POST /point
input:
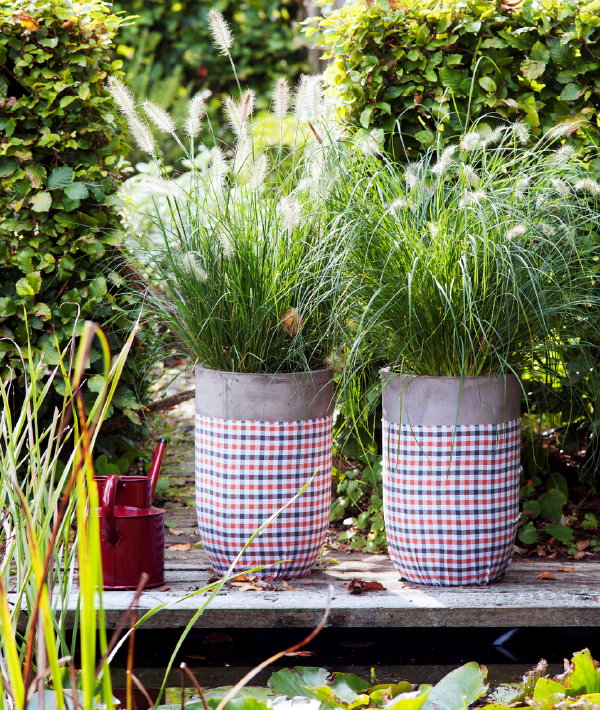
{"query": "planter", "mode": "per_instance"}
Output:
(259, 439)
(132, 537)
(451, 467)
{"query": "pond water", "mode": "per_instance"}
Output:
(222, 657)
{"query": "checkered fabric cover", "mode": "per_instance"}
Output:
(451, 500)
(245, 472)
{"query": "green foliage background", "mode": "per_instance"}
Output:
(435, 66)
(169, 45)
(61, 151)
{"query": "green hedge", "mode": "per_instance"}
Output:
(60, 154)
(436, 65)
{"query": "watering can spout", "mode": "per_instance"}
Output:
(154, 471)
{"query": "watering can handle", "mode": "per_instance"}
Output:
(108, 508)
(159, 452)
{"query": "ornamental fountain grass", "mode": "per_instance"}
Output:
(469, 267)
(247, 285)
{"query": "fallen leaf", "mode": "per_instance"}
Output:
(307, 581)
(358, 586)
(546, 575)
(288, 587)
(291, 322)
(580, 555)
(582, 544)
(27, 21)
(164, 589)
(181, 547)
(567, 569)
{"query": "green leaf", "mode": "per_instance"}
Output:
(365, 117)
(561, 532)
(540, 53)
(7, 307)
(487, 83)
(426, 138)
(298, 681)
(552, 503)
(585, 677)
(96, 383)
(41, 201)
(532, 69)
(97, 287)
(29, 285)
(60, 177)
(531, 508)
(8, 166)
(548, 689)
(570, 92)
(459, 689)
(412, 700)
(76, 191)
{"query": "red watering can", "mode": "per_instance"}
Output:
(132, 533)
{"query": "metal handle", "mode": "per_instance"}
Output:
(108, 508)
(159, 452)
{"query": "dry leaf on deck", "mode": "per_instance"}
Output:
(567, 569)
(358, 586)
(545, 575)
(180, 547)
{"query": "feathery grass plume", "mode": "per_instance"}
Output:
(521, 186)
(471, 141)
(281, 98)
(472, 197)
(233, 115)
(470, 176)
(410, 177)
(548, 229)
(122, 96)
(521, 131)
(226, 243)
(218, 167)
(587, 185)
(258, 172)
(308, 105)
(159, 117)
(564, 154)
(398, 204)
(190, 264)
(243, 151)
(220, 31)
(195, 112)
(561, 186)
(246, 105)
(291, 212)
(433, 228)
(367, 144)
(494, 137)
(142, 135)
(562, 129)
(517, 231)
(445, 160)
(163, 187)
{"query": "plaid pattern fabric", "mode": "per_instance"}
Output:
(451, 500)
(245, 472)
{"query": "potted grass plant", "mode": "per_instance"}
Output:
(246, 284)
(470, 267)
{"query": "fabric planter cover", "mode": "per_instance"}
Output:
(451, 468)
(259, 439)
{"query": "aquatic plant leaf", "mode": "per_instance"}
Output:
(458, 689)
(410, 701)
(295, 682)
(584, 676)
(548, 689)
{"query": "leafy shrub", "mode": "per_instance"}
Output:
(60, 156)
(436, 66)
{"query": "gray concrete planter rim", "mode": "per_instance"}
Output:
(439, 401)
(285, 396)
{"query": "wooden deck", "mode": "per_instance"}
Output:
(521, 599)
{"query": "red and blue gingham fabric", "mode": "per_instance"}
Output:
(451, 500)
(245, 472)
